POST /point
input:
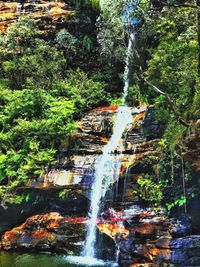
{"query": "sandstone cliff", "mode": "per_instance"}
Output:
(50, 14)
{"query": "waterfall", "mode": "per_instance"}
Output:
(105, 170)
(105, 176)
(127, 67)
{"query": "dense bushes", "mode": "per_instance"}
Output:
(39, 102)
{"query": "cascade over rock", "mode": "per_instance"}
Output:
(75, 170)
(141, 236)
(86, 145)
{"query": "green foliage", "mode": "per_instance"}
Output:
(41, 97)
(87, 43)
(174, 133)
(135, 96)
(177, 202)
(150, 190)
(67, 42)
(110, 25)
(21, 35)
(31, 70)
(85, 93)
(116, 102)
(38, 103)
(64, 193)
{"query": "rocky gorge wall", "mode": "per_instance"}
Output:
(49, 14)
(74, 171)
(77, 165)
(57, 223)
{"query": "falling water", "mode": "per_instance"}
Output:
(127, 67)
(105, 174)
(105, 171)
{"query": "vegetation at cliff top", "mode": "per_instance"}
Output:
(47, 85)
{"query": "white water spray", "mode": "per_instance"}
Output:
(106, 172)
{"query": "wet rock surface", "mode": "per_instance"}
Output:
(141, 236)
(41, 201)
(75, 170)
(86, 146)
(144, 238)
(182, 226)
(47, 232)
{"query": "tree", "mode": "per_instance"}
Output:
(67, 42)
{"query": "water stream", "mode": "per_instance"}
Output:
(105, 175)
(107, 169)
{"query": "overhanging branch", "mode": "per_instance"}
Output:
(169, 100)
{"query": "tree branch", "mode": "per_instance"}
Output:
(169, 100)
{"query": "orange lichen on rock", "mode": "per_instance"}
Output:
(8, 14)
(137, 118)
(112, 108)
(59, 11)
(113, 230)
(44, 219)
(44, 231)
(53, 224)
(141, 265)
(48, 12)
(128, 160)
(145, 229)
(76, 220)
(11, 237)
(127, 164)
(166, 253)
(104, 139)
(43, 234)
(7, 8)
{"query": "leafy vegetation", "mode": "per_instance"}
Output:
(149, 190)
(46, 84)
(40, 99)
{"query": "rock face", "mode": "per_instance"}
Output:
(47, 232)
(50, 14)
(145, 238)
(86, 146)
(74, 172)
(42, 200)
(141, 237)
(140, 234)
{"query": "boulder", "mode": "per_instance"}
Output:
(188, 242)
(146, 230)
(163, 243)
(47, 232)
(183, 226)
(40, 200)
